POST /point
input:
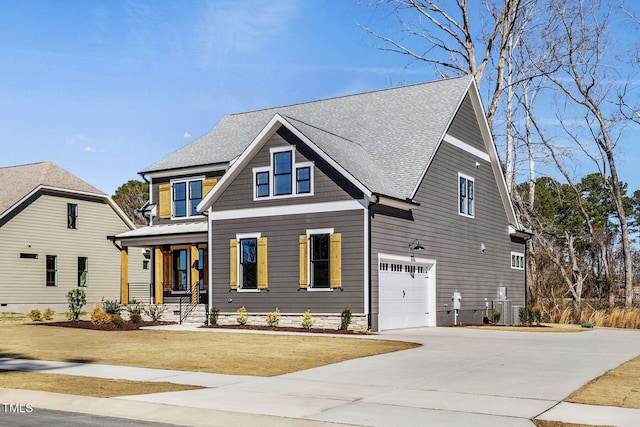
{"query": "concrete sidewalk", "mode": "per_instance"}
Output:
(458, 377)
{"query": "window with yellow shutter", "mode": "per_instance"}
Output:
(320, 260)
(248, 262)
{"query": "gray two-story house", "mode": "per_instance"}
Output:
(391, 203)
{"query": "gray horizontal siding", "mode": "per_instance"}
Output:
(328, 185)
(465, 126)
(282, 234)
(453, 240)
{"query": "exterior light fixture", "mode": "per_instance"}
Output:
(415, 246)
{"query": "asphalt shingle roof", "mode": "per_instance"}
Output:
(385, 139)
(18, 181)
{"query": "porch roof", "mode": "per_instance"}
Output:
(162, 234)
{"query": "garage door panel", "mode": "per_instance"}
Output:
(403, 295)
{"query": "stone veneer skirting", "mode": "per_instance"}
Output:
(322, 321)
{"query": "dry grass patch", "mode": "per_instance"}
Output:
(84, 386)
(215, 352)
(618, 387)
(544, 423)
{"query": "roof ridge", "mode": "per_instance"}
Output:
(467, 76)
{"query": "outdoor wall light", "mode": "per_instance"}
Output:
(483, 247)
(415, 246)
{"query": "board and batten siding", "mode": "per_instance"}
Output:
(282, 233)
(41, 228)
(453, 240)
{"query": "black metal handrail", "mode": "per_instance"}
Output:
(187, 304)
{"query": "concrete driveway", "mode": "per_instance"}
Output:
(458, 377)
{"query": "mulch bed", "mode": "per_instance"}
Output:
(86, 324)
(284, 329)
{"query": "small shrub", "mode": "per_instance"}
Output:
(242, 316)
(117, 321)
(273, 318)
(35, 316)
(134, 307)
(155, 312)
(135, 317)
(100, 317)
(495, 316)
(76, 299)
(536, 316)
(111, 307)
(48, 314)
(307, 320)
(345, 319)
(526, 316)
(214, 313)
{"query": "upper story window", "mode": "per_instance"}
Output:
(283, 177)
(186, 197)
(466, 203)
(72, 215)
(517, 260)
(180, 197)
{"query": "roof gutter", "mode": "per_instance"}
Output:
(379, 199)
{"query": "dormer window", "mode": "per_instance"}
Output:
(283, 177)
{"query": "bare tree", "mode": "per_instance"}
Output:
(578, 34)
(447, 40)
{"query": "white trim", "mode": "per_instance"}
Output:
(431, 276)
(519, 255)
(184, 171)
(310, 208)
(210, 264)
(186, 180)
(320, 231)
(466, 147)
(240, 236)
(473, 201)
(274, 124)
(367, 262)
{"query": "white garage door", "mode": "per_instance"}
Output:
(406, 295)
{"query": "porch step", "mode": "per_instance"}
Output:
(197, 316)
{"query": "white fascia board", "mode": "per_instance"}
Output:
(467, 148)
(267, 132)
(493, 154)
(238, 164)
(326, 158)
(301, 209)
(186, 171)
(64, 191)
(391, 202)
(444, 132)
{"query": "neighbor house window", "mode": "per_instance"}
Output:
(180, 270)
(83, 271)
(466, 204)
(283, 177)
(186, 197)
(517, 261)
(321, 259)
(72, 215)
(52, 270)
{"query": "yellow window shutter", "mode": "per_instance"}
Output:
(207, 185)
(263, 274)
(164, 200)
(304, 261)
(335, 261)
(233, 264)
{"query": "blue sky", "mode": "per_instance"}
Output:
(106, 88)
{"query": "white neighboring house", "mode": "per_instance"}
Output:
(53, 238)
